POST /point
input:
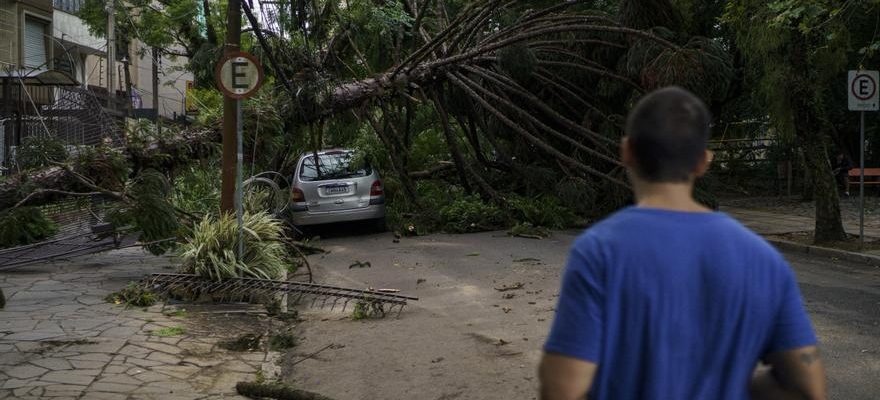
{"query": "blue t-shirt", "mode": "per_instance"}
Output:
(675, 305)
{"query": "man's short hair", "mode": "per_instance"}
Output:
(668, 133)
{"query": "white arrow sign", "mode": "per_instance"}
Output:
(862, 89)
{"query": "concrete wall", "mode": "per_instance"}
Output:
(172, 82)
(70, 29)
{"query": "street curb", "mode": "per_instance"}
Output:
(787, 245)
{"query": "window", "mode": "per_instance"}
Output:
(70, 6)
(35, 51)
(333, 165)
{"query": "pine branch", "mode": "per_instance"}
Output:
(528, 136)
(538, 123)
(515, 88)
(600, 71)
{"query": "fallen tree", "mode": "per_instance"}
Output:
(513, 91)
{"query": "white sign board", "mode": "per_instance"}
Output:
(863, 91)
(239, 75)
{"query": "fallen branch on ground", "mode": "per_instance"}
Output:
(278, 391)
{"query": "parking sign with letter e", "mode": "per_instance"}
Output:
(239, 75)
(863, 91)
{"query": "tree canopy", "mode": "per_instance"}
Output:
(510, 100)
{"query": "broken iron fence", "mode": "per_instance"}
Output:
(313, 294)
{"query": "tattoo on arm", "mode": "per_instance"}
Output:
(808, 357)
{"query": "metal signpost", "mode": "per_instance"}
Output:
(239, 75)
(863, 96)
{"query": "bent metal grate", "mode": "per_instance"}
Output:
(298, 292)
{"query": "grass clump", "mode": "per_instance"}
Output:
(527, 230)
(179, 313)
(211, 250)
(246, 342)
(169, 331)
(366, 310)
(281, 341)
(133, 295)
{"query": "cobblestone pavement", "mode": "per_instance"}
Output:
(59, 339)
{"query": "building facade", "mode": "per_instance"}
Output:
(84, 56)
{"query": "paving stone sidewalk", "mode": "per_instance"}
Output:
(775, 222)
(59, 339)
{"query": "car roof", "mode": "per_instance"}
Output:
(328, 151)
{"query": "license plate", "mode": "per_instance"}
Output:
(337, 189)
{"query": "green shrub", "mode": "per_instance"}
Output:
(24, 225)
(150, 212)
(542, 211)
(104, 165)
(211, 250)
(38, 152)
(197, 189)
(577, 194)
(471, 214)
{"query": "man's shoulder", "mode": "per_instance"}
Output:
(628, 224)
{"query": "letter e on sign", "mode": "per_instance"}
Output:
(239, 75)
(863, 91)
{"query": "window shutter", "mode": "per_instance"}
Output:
(35, 54)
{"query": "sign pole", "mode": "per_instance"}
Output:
(863, 95)
(239, 206)
(862, 180)
(239, 75)
(232, 45)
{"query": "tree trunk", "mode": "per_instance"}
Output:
(809, 128)
(829, 226)
(807, 186)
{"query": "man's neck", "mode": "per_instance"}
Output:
(667, 196)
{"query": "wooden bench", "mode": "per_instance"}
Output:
(872, 177)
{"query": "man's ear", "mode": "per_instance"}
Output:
(626, 155)
(705, 162)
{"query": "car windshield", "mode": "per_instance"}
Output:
(339, 165)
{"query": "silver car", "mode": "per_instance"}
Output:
(336, 190)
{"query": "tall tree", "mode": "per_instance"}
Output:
(801, 50)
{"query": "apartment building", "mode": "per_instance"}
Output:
(53, 79)
(84, 56)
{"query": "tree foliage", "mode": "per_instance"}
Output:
(801, 50)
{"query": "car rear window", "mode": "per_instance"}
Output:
(340, 165)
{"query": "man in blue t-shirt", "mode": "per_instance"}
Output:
(668, 300)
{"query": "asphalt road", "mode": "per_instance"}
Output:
(465, 339)
(843, 300)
